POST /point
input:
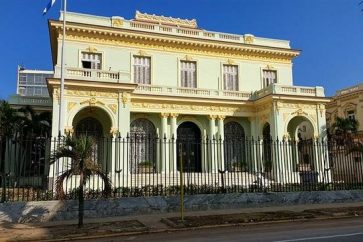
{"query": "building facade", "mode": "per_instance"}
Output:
(31, 89)
(165, 77)
(347, 103)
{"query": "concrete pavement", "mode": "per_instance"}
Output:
(112, 226)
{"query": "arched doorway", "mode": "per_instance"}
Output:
(301, 132)
(142, 146)
(89, 126)
(234, 147)
(95, 122)
(267, 147)
(189, 147)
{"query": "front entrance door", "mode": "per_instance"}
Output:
(189, 147)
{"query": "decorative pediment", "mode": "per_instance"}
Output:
(152, 18)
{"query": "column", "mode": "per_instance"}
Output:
(164, 163)
(173, 136)
(122, 166)
(212, 148)
(221, 142)
(253, 143)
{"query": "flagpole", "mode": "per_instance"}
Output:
(61, 101)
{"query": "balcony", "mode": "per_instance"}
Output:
(192, 92)
(124, 77)
(93, 75)
(289, 90)
(232, 95)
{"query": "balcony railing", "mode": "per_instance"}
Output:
(290, 90)
(113, 76)
(94, 75)
(195, 92)
(176, 30)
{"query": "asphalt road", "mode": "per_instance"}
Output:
(342, 230)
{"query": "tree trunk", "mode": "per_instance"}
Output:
(80, 197)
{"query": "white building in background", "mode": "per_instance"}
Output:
(32, 89)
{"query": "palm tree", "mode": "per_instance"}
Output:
(80, 151)
(343, 129)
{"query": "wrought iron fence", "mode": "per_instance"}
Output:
(149, 166)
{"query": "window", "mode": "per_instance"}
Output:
(142, 70)
(188, 74)
(91, 60)
(22, 91)
(269, 77)
(351, 114)
(230, 77)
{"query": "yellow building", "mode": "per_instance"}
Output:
(347, 103)
(166, 77)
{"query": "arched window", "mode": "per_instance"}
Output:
(142, 146)
(234, 147)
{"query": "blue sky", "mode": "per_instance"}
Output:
(329, 32)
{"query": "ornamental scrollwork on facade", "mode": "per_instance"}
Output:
(113, 131)
(188, 108)
(126, 98)
(174, 115)
(248, 39)
(299, 112)
(68, 130)
(70, 106)
(117, 22)
(113, 108)
(92, 93)
(175, 46)
(164, 115)
(92, 101)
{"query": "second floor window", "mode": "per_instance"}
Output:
(142, 70)
(351, 114)
(230, 77)
(188, 74)
(269, 77)
(91, 60)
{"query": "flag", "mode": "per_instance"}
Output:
(50, 4)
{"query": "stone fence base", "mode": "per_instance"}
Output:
(42, 211)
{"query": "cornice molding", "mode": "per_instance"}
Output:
(140, 39)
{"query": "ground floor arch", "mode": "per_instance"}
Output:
(94, 122)
(143, 142)
(234, 147)
(189, 150)
(301, 132)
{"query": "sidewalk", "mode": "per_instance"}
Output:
(113, 226)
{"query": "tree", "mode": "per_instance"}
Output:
(35, 124)
(80, 152)
(343, 128)
(10, 122)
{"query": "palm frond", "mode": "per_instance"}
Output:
(59, 183)
(106, 192)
